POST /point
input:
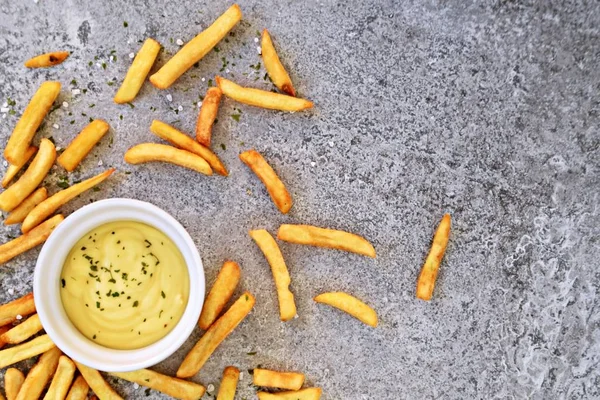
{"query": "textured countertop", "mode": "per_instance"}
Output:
(489, 111)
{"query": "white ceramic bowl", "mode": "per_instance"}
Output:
(46, 285)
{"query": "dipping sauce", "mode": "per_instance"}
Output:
(125, 285)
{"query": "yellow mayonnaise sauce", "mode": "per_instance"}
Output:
(125, 285)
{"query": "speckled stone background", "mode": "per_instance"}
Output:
(489, 111)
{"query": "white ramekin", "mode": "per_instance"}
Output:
(46, 285)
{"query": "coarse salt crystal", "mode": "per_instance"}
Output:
(255, 40)
(227, 71)
(169, 97)
(65, 104)
(55, 126)
(131, 55)
(36, 1)
(111, 58)
(5, 104)
(58, 148)
(330, 144)
(11, 291)
(313, 164)
(203, 79)
(210, 388)
(180, 108)
(5, 163)
(136, 386)
(100, 163)
(296, 316)
(241, 375)
(259, 50)
(75, 92)
(4, 115)
(4, 109)
(98, 65)
(179, 42)
(19, 317)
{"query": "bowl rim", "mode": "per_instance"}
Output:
(47, 294)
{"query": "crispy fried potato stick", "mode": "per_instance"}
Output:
(429, 272)
(269, 178)
(147, 152)
(97, 383)
(19, 142)
(281, 276)
(23, 331)
(13, 170)
(275, 379)
(138, 71)
(3, 330)
(331, 238)
(229, 382)
(47, 60)
(302, 394)
(83, 143)
(39, 376)
(173, 387)
(183, 141)
(52, 203)
(79, 390)
(13, 380)
(262, 98)
(275, 69)
(62, 379)
(196, 48)
(37, 235)
(19, 213)
(33, 176)
(351, 305)
(211, 339)
(219, 294)
(25, 350)
(207, 114)
(22, 306)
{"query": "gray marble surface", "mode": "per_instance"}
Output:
(487, 110)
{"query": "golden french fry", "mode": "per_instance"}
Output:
(23, 306)
(262, 98)
(79, 389)
(33, 176)
(23, 331)
(281, 276)
(269, 178)
(302, 394)
(275, 69)
(429, 272)
(39, 376)
(83, 143)
(3, 330)
(211, 339)
(276, 379)
(173, 387)
(207, 114)
(19, 142)
(54, 202)
(37, 235)
(25, 350)
(322, 237)
(351, 305)
(228, 386)
(97, 383)
(183, 141)
(138, 71)
(147, 152)
(62, 379)
(219, 294)
(47, 59)
(196, 48)
(19, 213)
(13, 380)
(13, 170)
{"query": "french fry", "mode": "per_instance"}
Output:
(62, 379)
(281, 276)
(219, 294)
(19, 213)
(79, 389)
(39, 376)
(147, 152)
(13, 380)
(302, 394)
(33, 176)
(3, 330)
(13, 170)
(23, 306)
(36, 236)
(25, 350)
(330, 238)
(275, 379)
(275, 69)
(19, 142)
(229, 382)
(83, 143)
(351, 305)
(211, 339)
(47, 59)
(207, 114)
(54, 202)
(262, 98)
(183, 141)
(97, 383)
(173, 387)
(23, 331)
(429, 272)
(196, 48)
(269, 178)
(139, 69)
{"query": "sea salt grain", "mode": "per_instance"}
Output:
(19, 317)
(75, 92)
(180, 108)
(4, 109)
(5, 104)
(136, 386)
(100, 163)
(259, 50)
(255, 40)
(203, 79)
(11, 291)
(169, 97)
(330, 144)
(55, 126)
(313, 164)
(5, 163)
(210, 388)
(65, 104)
(131, 55)
(179, 42)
